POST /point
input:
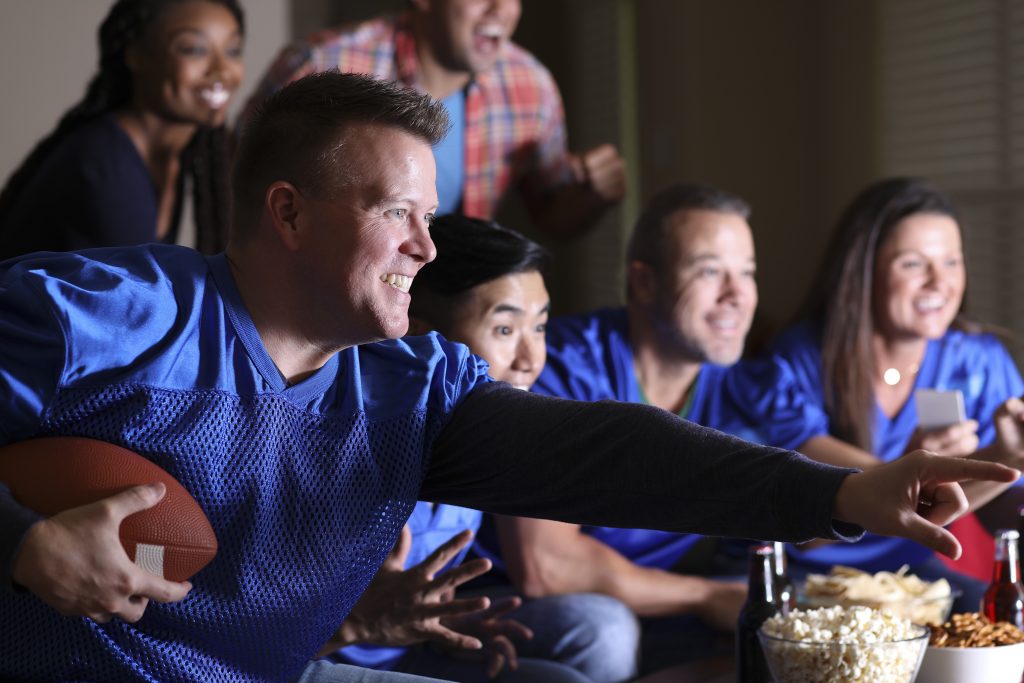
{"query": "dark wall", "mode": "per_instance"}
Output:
(773, 101)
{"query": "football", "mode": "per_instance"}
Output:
(172, 539)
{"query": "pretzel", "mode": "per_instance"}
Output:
(974, 630)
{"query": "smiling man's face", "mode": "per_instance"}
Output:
(368, 236)
(468, 35)
(706, 292)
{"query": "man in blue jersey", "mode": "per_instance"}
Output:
(690, 302)
(270, 381)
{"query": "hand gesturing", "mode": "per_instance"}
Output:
(406, 606)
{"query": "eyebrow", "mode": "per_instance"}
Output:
(509, 308)
(187, 29)
(917, 252)
(709, 257)
(199, 32)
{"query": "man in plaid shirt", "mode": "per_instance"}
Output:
(508, 122)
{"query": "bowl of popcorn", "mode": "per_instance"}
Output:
(904, 594)
(835, 644)
(969, 647)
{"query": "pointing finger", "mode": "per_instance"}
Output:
(941, 470)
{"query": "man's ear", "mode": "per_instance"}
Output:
(419, 326)
(284, 205)
(642, 280)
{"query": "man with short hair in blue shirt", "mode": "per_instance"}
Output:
(690, 302)
(271, 382)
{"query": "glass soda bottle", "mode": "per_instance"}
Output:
(1004, 599)
(784, 588)
(762, 603)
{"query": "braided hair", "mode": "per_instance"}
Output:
(206, 158)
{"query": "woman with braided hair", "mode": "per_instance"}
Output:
(118, 167)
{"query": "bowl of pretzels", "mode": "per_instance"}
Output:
(969, 647)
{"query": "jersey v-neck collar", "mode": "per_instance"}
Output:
(313, 386)
(691, 394)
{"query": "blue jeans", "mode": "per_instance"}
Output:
(595, 634)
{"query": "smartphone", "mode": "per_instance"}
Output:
(937, 409)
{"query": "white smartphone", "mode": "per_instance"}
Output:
(937, 409)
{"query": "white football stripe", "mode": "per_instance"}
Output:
(150, 558)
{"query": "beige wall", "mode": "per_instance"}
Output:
(48, 53)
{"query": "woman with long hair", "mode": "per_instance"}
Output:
(117, 169)
(884, 321)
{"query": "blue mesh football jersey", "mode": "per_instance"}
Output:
(976, 364)
(306, 485)
(590, 359)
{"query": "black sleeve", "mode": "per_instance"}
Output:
(621, 464)
(16, 522)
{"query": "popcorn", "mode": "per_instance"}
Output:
(843, 644)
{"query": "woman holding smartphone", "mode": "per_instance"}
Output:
(884, 320)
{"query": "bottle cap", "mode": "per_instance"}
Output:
(1008, 534)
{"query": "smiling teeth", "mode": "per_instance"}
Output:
(725, 323)
(491, 31)
(932, 303)
(216, 96)
(402, 282)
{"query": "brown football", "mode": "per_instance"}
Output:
(49, 475)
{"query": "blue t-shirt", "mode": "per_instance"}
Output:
(450, 155)
(432, 526)
(976, 364)
(307, 486)
(590, 359)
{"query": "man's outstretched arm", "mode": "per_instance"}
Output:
(619, 464)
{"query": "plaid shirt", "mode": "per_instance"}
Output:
(514, 126)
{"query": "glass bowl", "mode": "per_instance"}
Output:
(799, 661)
